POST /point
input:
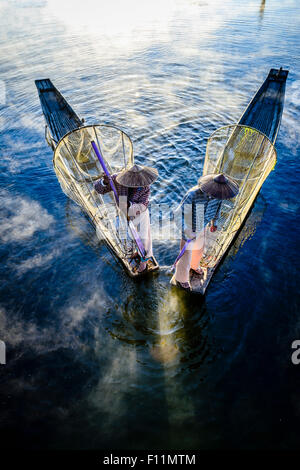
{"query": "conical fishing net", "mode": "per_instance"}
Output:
(248, 156)
(77, 168)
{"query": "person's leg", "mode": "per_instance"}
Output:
(197, 252)
(142, 266)
(148, 236)
(143, 220)
(182, 273)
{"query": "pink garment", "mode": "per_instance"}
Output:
(143, 227)
(190, 258)
(194, 253)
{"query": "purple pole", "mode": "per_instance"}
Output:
(100, 158)
(112, 185)
(138, 241)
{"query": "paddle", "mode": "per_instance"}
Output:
(135, 235)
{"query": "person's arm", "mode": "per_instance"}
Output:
(184, 214)
(180, 207)
(213, 226)
(102, 186)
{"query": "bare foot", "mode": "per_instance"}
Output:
(198, 271)
(184, 285)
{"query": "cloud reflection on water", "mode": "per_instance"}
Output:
(21, 217)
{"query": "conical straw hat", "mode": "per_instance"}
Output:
(137, 176)
(219, 186)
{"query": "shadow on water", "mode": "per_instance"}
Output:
(159, 336)
(168, 330)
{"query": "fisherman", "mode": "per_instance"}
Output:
(209, 193)
(133, 186)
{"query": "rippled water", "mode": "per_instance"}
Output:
(94, 359)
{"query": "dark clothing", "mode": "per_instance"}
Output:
(191, 203)
(134, 195)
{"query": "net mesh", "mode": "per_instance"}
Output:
(248, 156)
(77, 168)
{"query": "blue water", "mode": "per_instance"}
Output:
(94, 359)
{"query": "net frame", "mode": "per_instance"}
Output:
(262, 158)
(77, 182)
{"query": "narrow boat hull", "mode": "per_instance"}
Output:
(59, 116)
(264, 111)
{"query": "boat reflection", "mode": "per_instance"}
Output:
(262, 9)
(161, 322)
(169, 338)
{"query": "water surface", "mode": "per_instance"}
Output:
(94, 359)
